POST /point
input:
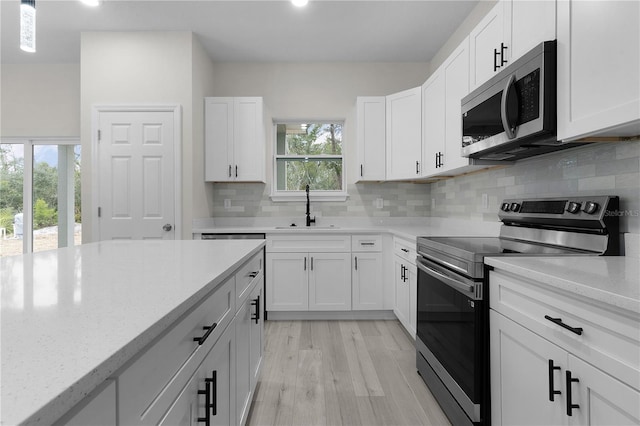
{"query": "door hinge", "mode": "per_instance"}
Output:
(99, 211)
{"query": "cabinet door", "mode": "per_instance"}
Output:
(412, 281)
(456, 76)
(598, 68)
(601, 399)
(371, 136)
(249, 140)
(287, 287)
(367, 284)
(433, 122)
(256, 343)
(220, 365)
(401, 307)
(218, 137)
(189, 406)
(404, 134)
(330, 282)
(485, 40)
(528, 23)
(243, 351)
(520, 381)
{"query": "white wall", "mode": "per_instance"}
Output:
(135, 68)
(40, 100)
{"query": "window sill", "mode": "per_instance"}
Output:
(315, 197)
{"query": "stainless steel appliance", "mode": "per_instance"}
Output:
(513, 115)
(453, 313)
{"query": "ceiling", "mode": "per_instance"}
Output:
(249, 31)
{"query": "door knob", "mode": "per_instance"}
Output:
(167, 227)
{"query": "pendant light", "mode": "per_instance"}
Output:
(28, 25)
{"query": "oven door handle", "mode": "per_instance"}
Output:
(455, 284)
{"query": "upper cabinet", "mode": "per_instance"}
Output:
(404, 134)
(508, 31)
(234, 139)
(371, 131)
(598, 69)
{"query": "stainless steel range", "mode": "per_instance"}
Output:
(452, 341)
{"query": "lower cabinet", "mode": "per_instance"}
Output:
(558, 360)
(367, 281)
(207, 397)
(308, 281)
(406, 287)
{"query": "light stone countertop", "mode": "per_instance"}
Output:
(71, 317)
(609, 280)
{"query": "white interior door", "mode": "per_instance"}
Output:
(136, 173)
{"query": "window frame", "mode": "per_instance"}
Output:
(27, 183)
(315, 195)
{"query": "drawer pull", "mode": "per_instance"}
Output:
(558, 321)
(552, 391)
(214, 393)
(256, 302)
(253, 274)
(405, 250)
(367, 244)
(570, 404)
(209, 329)
(207, 395)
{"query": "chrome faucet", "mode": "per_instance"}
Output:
(309, 219)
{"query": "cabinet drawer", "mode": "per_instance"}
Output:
(609, 339)
(306, 243)
(405, 249)
(147, 387)
(247, 276)
(363, 243)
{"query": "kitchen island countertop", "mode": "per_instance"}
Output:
(607, 280)
(71, 317)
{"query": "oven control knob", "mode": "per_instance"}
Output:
(515, 207)
(590, 207)
(573, 207)
(505, 207)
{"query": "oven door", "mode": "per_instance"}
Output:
(450, 329)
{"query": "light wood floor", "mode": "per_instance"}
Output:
(341, 373)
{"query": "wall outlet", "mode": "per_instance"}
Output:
(485, 201)
(227, 203)
(379, 203)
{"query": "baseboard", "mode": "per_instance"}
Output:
(330, 315)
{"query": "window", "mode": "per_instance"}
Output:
(309, 154)
(39, 195)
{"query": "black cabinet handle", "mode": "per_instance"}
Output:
(417, 167)
(253, 274)
(570, 404)
(305, 263)
(229, 170)
(440, 163)
(552, 391)
(209, 329)
(361, 170)
(256, 302)
(312, 263)
(207, 394)
(213, 381)
(356, 261)
(558, 321)
(502, 49)
(236, 171)
(363, 243)
(403, 273)
(495, 60)
(405, 250)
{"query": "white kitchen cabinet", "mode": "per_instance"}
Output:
(210, 392)
(248, 341)
(441, 118)
(404, 134)
(508, 31)
(371, 138)
(558, 359)
(287, 285)
(367, 278)
(234, 139)
(598, 69)
(406, 285)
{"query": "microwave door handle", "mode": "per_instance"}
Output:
(509, 107)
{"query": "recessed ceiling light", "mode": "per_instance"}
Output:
(299, 3)
(28, 25)
(91, 2)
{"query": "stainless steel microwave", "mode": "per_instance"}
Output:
(513, 115)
